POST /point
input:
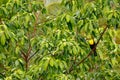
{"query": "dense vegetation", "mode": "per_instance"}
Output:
(49, 42)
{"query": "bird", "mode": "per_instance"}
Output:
(92, 46)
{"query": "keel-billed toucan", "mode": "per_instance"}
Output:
(92, 45)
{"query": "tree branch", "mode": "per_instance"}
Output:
(29, 51)
(23, 54)
(33, 54)
(71, 68)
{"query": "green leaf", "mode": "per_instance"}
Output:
(33, 41)
(86, 66)
(67, 18)
(8, 78)
(114, 61)
(80, 23)
(62, 46)
(3, 39)
(1, 32)
(16, 63)
(22, 41)
(110, 16)
(2, 56)
(3, 12)
(86, 27)
(44, 11)
(61, 65)
(3, 2)
(46, 64)
(17, 49)
(56, 63)
(74, 50)
(51, 62)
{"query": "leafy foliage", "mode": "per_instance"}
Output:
(50, 42)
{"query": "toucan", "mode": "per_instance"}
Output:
(92, 45)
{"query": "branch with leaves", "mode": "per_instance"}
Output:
(71, 68)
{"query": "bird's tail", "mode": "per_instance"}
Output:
(95, 53)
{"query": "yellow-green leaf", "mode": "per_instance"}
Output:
(74, 50)
(51, 62)
(46, 64)
(3, 39)
(17, 49)
(114, 61)
(67, 18)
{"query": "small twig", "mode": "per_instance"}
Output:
(71, 68)
(29, 51)
(23, 54)
(27, 61)
(36, 23)
(33, 54)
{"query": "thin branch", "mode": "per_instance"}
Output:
(36, 23)
(27, 56)
(73, 64)
(23, 54)
(29, 47)
(33, 54)
(29, 51)
(71, 68)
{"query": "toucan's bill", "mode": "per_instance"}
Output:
(92, 45)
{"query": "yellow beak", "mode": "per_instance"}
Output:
(91, 41)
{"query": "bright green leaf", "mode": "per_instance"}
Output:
(45, 65)
(51, 62)
(67, 18)
(3, 39)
